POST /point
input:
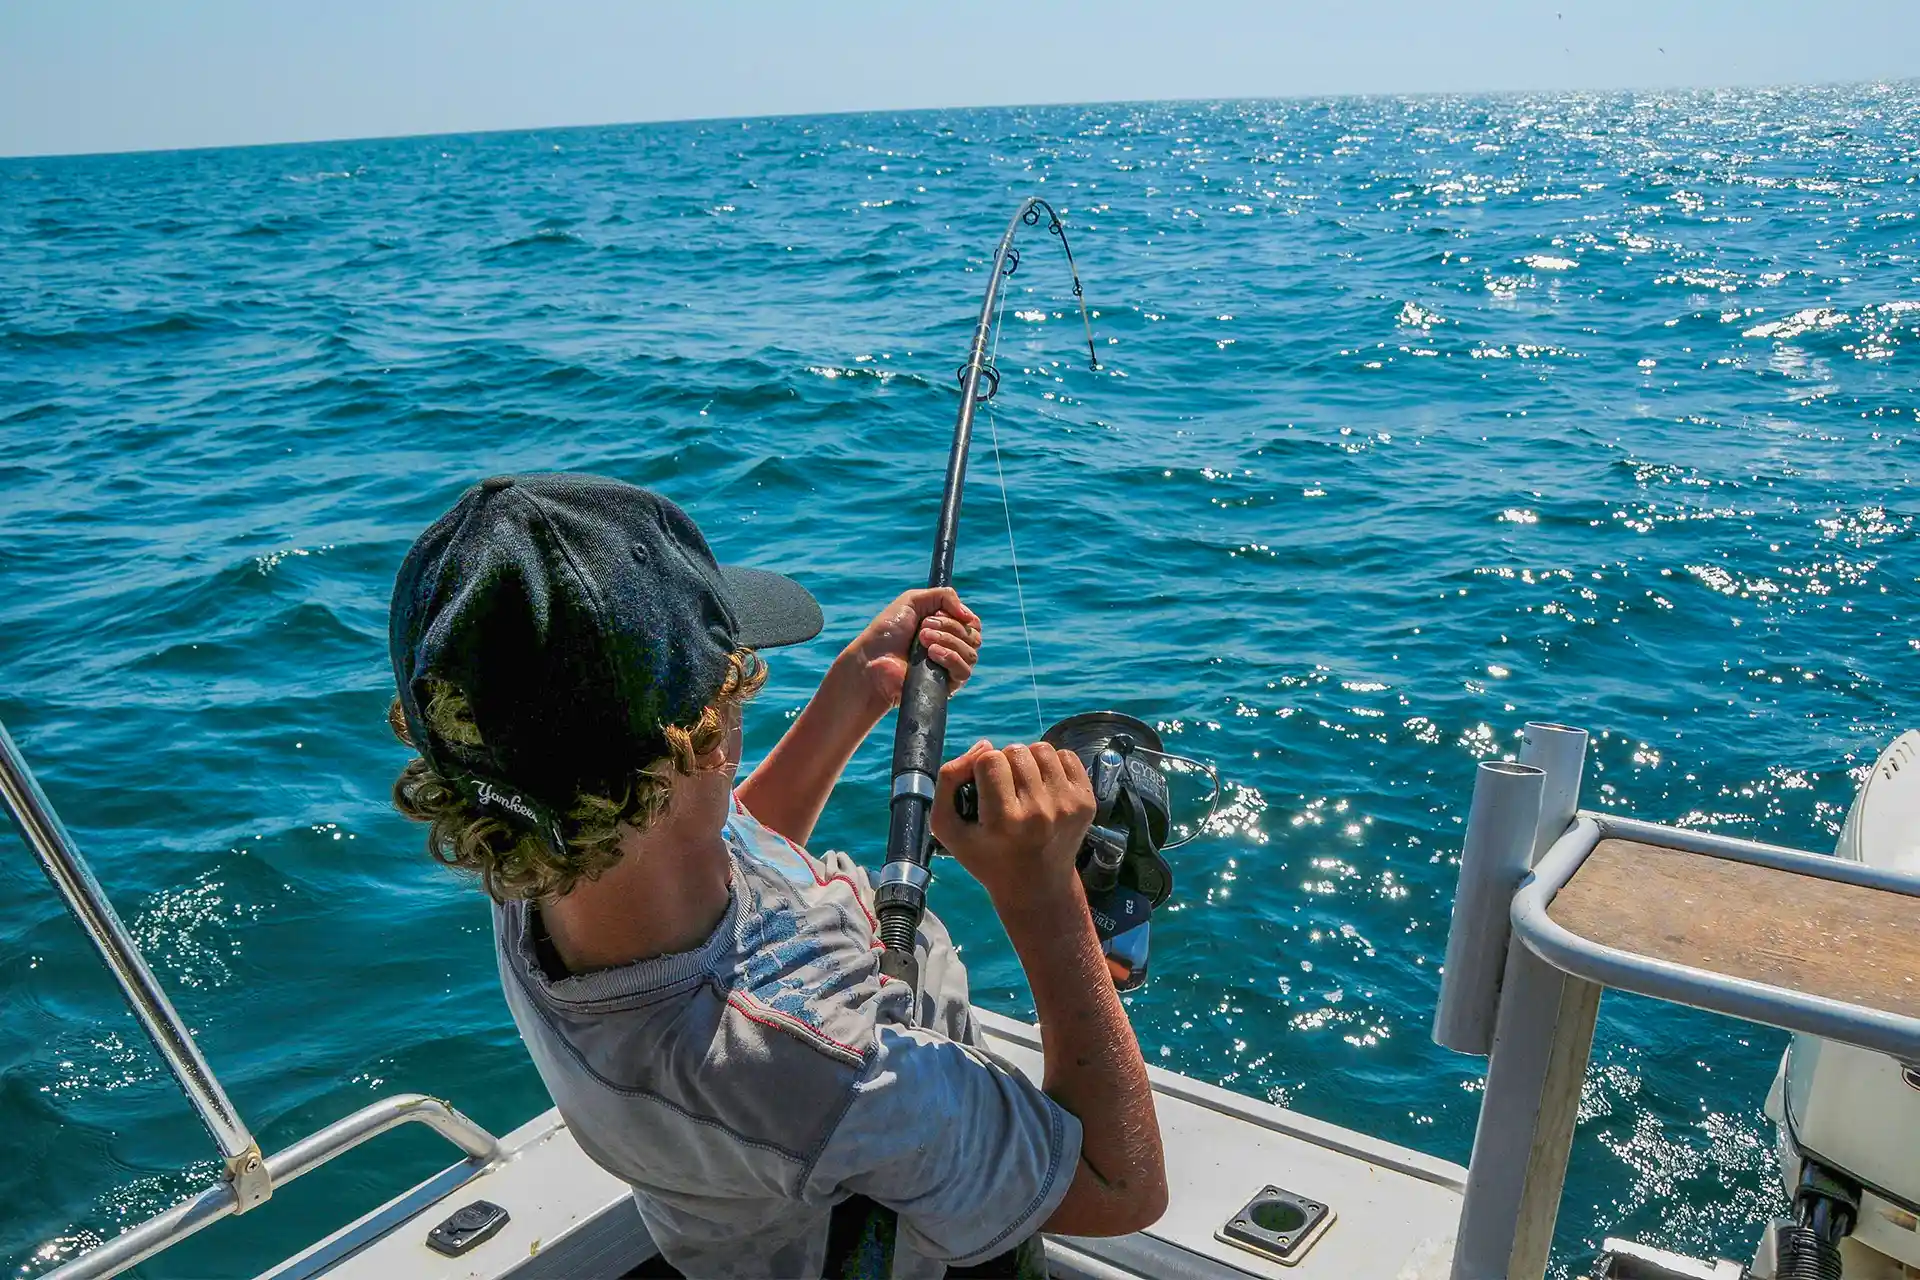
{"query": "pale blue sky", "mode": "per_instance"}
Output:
(115, 75)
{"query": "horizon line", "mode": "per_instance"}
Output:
(1877, 81)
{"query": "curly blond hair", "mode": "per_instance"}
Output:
(514, 863)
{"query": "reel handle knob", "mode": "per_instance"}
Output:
(966, 801)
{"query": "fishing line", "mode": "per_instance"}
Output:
(1006, 507)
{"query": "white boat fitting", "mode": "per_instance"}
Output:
(1554, 904)
(1850, 1109)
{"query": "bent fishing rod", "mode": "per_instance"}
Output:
(900, 894)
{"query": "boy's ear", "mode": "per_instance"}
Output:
(397, 721)
(716, 758)
(727, 750)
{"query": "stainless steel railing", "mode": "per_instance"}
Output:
(250, 1179)
(47, 836)
(136, 1245)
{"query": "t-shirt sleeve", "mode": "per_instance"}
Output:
(971, 1155)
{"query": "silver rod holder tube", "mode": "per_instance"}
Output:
(1494, 857)
(1520, 1148)
(134, 1246)
(1560, 751)
(1543, 1036)
(44, 833)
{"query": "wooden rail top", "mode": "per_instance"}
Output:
(1819, 937)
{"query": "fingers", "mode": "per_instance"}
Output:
(929, 600)
(952, 644)
(1078, 786)
(1025, 770)
(958, 770)
(1035, 805)
(947, 630)
(944, 628)
(1047, 760)
(994, 772)
(954, 772)
(962, 768)
(958, 669)
(1075, 773)
(940, 629)
(1019, 786)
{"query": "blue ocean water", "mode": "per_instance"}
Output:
(1418, 418)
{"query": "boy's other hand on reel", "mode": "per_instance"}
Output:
(1036, 804)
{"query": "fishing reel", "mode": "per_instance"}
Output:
(1121, 862)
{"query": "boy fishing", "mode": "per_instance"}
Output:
(701, 995)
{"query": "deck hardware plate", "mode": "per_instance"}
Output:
(468, 1226)
(1277, 1224)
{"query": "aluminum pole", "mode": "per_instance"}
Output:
(1494, 856)
(1560, 751)
(1542, 1040)
(44, 833)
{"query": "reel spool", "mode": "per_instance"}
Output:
(1120, 864)
(1132, 798)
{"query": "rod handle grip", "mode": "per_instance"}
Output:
(921, 732)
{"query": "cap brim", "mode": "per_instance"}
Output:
(771, 609)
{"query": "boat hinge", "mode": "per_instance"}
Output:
(252, 1183)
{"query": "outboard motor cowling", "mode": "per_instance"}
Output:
(1850, 1117)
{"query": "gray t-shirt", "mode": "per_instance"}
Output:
(746, 1087)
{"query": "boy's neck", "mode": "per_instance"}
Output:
(666, 894)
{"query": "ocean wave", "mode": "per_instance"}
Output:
(546, 239)
(132, 331)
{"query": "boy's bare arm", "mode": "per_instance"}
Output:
(789, 788)
(1035, 806)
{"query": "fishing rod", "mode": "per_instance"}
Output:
(1121, 863)
(900, 894)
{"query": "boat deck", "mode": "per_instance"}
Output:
(1394, 1209)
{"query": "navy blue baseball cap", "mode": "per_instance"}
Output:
(579, 616)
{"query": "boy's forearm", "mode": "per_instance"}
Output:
(788, 790)
(1093, 1064)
